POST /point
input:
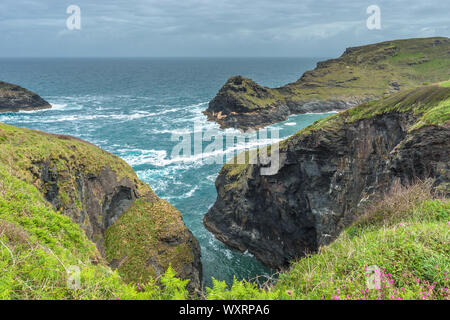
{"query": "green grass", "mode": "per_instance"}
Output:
(365, 72)
(406, 235)
(134, 240)
(38, 247)
(429, 104)
(445, 84)
(23, 153)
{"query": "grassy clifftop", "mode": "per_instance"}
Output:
(361, 74)
(71, 203)
(45, 255)
(327, 173)
(376, 70)
(430, 104)
(405, 236)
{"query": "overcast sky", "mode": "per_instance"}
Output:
(203, 28)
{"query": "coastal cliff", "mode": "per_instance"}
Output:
(14, 98)
(134, 231)
(361, 74)
(329, 170)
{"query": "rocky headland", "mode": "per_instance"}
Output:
(134, 231)
(329, 171)
(361, 74)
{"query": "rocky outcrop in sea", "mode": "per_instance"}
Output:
(14, 98)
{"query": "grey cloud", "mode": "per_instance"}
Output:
(210, 27)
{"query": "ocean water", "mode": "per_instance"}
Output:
(133, 107)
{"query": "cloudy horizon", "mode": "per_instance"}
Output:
(210, 28)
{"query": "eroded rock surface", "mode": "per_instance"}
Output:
(327, 172)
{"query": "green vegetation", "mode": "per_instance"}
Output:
(137, 243)
(406, 235)
(432, 102)
(22, 149)
(26, 152)
(361, 71)
(39, 244)
(38, 247)
(429, 104)
(446, 84)
(366, 72)
(249, 95)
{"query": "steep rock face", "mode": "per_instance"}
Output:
(243, 104)
(14, 98)
(98, 190)
(359, 75)
(327, 171)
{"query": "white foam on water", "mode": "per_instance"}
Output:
(58, 106)
(228, 254)
(161, 158)
(141, 157)
(186, 195)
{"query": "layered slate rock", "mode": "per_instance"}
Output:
(14, 98)
(134, 230)
(329, 171)
(361, 74)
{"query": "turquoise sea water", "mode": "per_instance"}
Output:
(132, 107)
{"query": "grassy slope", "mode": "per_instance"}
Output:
(24, 214)
(431, 104)
(362, 72)
(39, 245)
(22, 149)
(137, 237)
(406, 235)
